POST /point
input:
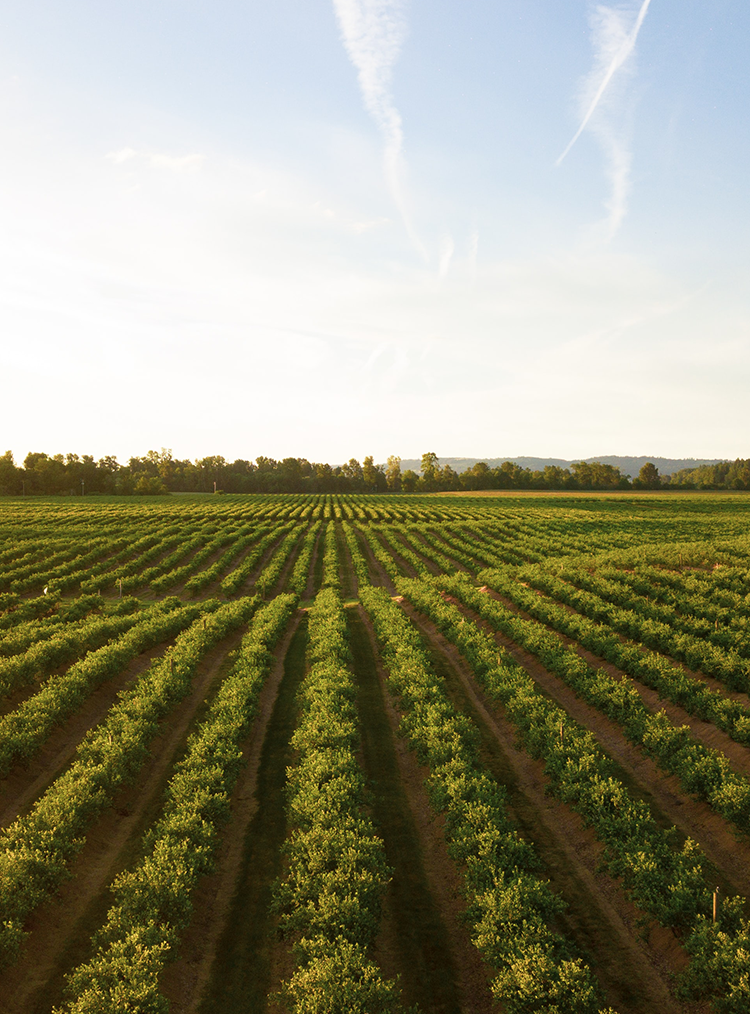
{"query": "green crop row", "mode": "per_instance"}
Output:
(510, 908)
(36, 848)
(66, 644)
(384, 558)
(204, 577)
(655, 671)
(236, 578)
(301, 570)
(725, 665)
(24, 635)
(727, 626)
(146, 549)
(272, 570)
(177, 574)
(329, 899)
(24, 730)
(358, 561)
(185, 546)
(330, 558)
(702, 771)
(664, 881)
(153, 901)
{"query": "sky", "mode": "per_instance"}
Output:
(333, 228)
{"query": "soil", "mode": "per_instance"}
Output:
(185, 980)
(444, 881)
(377, 571)
(634, 971)
(61, 928)
(725, 846)
(26, 782)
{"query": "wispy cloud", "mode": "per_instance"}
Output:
(373, 32)
(615, 32)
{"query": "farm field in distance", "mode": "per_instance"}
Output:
(320, 753)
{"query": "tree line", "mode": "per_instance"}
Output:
(158, 472)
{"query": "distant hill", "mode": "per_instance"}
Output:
(628, 466)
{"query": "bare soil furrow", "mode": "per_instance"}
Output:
(467, 969)
(185, 980)
(61, 928)
(634, 970)
(25, 783)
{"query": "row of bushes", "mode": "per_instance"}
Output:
(724, 664)
(177, 574)
(124, 565)
(691, 609)
(24, 730)
(153, 900)
(205, 577)
(236, 578)
(24, 633)
(272, 570)
(708, 595)
(331, 577)
(67, 644)
(384, 558)
(184, 547)
(510, 908)
(648, 667)
(664, 881)
(358, 561)
(36, 848)
(329, 899)
(702, 771)
(47, 554)
(301, 569)
(15, 610)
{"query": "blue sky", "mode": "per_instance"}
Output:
(332, 228)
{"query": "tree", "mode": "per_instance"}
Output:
(448, 478)
(393, 473)
(10, 476)
(352, 471)
(430, 469)
(370, 474)
(648, 477)
(409, 481)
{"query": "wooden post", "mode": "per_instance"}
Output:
(716, 903)
(171, 664)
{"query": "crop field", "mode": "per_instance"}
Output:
(349, 753)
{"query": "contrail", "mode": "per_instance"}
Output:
(622, 54)
(373, 32)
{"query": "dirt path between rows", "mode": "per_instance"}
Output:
(710, 681)
(213, 588)
(704, 732)
(185, 980)
(25, 783)
(444, 881)
(377, 570)
(248, 585)
(634, 974)
(286, 571)
(61, 928)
